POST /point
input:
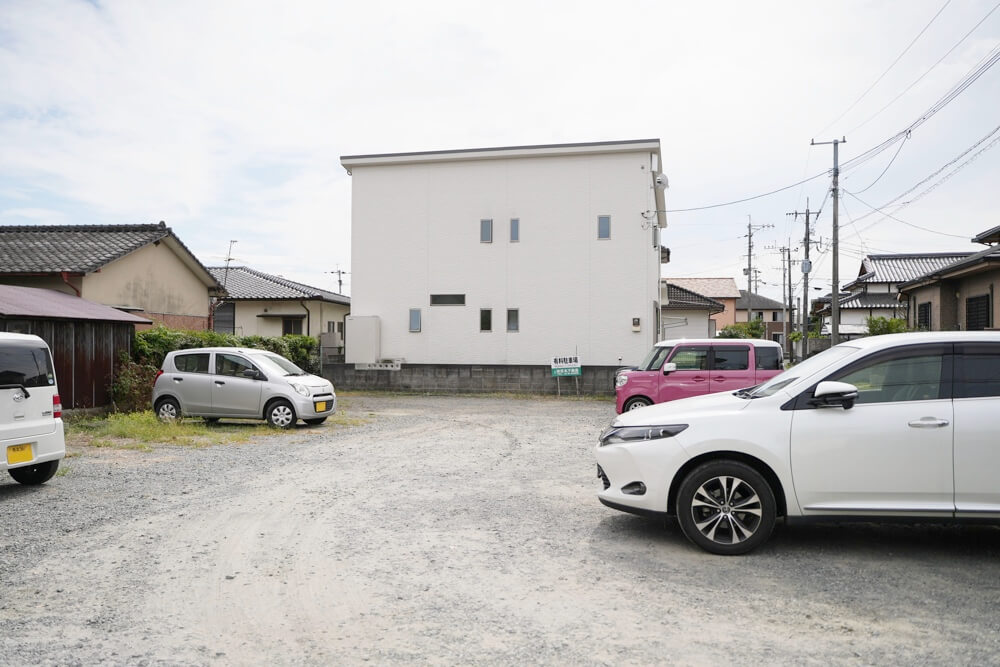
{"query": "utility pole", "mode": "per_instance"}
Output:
(340, 280)
(835, 301)
(751, 228)
(229, 258)
(806, 268)
(788, 305)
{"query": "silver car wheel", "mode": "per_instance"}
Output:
(281, 415)
(168, 411)
(726, 510)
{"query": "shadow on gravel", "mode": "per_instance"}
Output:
(849, 539)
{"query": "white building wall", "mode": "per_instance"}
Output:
(684, 324)
(415, 232)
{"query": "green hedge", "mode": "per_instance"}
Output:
(152, 345)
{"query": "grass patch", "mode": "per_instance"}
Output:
(139, 430)
(63, 471)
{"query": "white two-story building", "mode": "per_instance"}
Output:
(506, 256)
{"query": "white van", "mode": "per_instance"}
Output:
(31, 425)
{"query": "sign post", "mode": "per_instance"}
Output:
(566, 366)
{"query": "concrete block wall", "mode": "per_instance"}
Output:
(459, 378)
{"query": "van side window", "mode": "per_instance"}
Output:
(691, 358)
(768, 358)
(191, 363)
(731, 358)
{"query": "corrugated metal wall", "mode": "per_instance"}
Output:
(84, 354)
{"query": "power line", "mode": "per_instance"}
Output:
(882, 76)
(920, 78)
(740, 201)
(903, 143)
(888, 215)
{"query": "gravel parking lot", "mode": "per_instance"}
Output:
(451, 530)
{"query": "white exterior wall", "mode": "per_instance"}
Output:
(698, 325)
(415, 232)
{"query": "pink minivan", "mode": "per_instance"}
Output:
(693, 366)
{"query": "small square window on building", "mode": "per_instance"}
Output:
(924, 316)
(513, 320)
(486, 319)
(604, 226)
(414, 319)
(486, 231)
(291, 325)
(515, 230)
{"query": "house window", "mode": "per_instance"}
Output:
(977, 313)
(447, 299)
(774, 316)
(515, 230)
(604, 226)
(486, 231)
(513, 321)
(486, 319)
(759, 315)
(291, 325)
(924, 316)
(414, 319)
(224, 318)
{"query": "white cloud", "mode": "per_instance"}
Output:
(227, 119)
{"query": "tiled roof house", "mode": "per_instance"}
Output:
(138, 268)
(723, 290)
(268, 305)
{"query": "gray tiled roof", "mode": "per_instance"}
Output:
(900, 268)
(679, 298)
(759, 302)
(243, 284)
(990, 255)
(865, 301)
(71, 248)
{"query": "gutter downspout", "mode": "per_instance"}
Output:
(308, 317)
(65, 278)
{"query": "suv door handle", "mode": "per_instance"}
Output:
(178, 379)
(928, 422)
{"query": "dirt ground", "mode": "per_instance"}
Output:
(450, 530)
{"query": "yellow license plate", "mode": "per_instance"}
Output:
(18, 454)
(320, 406)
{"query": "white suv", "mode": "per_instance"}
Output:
(901, 425)
(216, 382)
(31, 425)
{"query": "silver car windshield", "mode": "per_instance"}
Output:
(805, 369)
(278, 364)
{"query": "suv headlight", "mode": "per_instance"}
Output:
(616, 435)
(300, 388)
(621, 379)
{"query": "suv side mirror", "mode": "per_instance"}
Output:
(829, 394)
(669, 367)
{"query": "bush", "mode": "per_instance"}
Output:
(878, 326)
(754, 329)
(132, 389)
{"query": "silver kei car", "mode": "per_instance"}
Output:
(230, 382)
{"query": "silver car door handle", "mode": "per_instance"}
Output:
(178, 379)
(928, 422)
(219, 382)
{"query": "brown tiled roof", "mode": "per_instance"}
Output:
(679, 298)
(715, 288)
(32, 302)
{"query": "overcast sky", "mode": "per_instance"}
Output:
(227, 119)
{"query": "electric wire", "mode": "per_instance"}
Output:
(892, 217)
(898, 150)
(888, 69)
(920, 78)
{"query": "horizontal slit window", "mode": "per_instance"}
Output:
(447, 299)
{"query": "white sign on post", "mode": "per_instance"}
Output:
(568, 366)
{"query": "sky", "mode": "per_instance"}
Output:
(227, 119)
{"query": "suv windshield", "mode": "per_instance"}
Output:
(25, 365)
(279, 364)
(653, 361)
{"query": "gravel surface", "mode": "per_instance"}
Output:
(451, 530)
